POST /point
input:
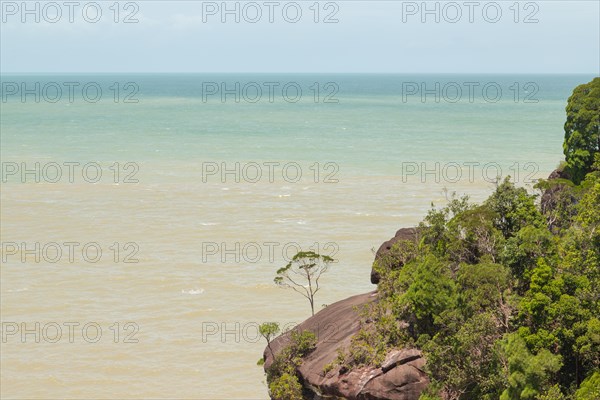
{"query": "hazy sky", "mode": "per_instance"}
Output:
(361, 36)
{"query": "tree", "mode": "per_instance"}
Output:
(514, 208)
(282, 374)
(522, 251)
(553, 393)
(307, 266)
(268, 330)
(503, 298)
(582, 137)
(588, 345)
(529, 375)
(590, 388)
(431, 292)
(286, 387)
(466, 363)
(484, 287)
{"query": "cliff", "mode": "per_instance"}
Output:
(400, 377)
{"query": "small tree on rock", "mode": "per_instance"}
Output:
(268, 330)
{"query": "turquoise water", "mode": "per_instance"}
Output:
(369, 131)
(372, 135)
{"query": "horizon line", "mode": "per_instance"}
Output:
(295, 72)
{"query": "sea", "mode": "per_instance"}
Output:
(144, 216)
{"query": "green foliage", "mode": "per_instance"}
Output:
(483, 287)
(590, 388)
(431, 292)
(465, 358)
(380, 330)
(282, 374)
(554, 393)
(389, 265)
(434, 227)
(302, 274)
(582, 129)
(286, 387)
(513, 209)
(268, 330)
(529, 375)
(589, 214)
(502, 304)
(559, 202)
(471, 235)
(365, 351)
(328, 367)
(432, 392)
(503, 298)
(522, 251)
(303, 343)
(587, 344)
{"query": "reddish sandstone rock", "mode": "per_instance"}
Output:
(400, 377)
(402, 234)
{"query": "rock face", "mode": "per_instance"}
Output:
(558, 174)
(400, 378)
(402, 234)
(554, 195)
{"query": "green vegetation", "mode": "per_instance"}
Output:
(503, 297)
(282, 376)
(582, 129)
(502, 306)
(302, 274)
(590, 388)
(268, 330)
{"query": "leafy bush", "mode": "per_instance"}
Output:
(590, 388)
(502, 305)
(582, 129)
(286, 387)
(282, 374)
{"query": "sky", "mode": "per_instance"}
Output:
(356, 36)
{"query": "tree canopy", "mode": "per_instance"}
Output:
(582, 129)
(302, 274)
(502, 297)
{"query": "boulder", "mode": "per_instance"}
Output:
(556, 195)
(402, 234)
(400, 377)
(559, 174)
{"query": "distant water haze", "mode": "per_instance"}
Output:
(165, 204)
